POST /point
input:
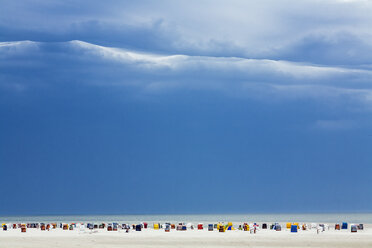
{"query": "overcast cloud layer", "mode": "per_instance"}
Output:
(327, 32)
(284, 49)
(261, 79)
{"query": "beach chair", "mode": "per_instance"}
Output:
(229, 226)
(278, 227)
(294, 228)
(344, 225)
(210, 227)
(138, 228)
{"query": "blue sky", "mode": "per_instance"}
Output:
(178, 107)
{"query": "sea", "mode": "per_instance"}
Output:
(365, 218)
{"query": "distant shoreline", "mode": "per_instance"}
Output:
(133, 218)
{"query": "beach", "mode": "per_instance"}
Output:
(191, 238)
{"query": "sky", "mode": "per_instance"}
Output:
(172, 107)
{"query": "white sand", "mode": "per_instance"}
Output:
(190, 238)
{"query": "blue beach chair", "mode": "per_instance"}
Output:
(294, 228)
(344, 225)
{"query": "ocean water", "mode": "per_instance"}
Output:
(196, 218)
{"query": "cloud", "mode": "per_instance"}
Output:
(344, 48)
(32, 64)
(322, 32)
(245, 66)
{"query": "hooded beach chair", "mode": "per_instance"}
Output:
(277, 227)
(294, 228)
(138, 228)
(229, 226)
(167, 228)
(344, 225)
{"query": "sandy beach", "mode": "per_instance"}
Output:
(191, 238)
